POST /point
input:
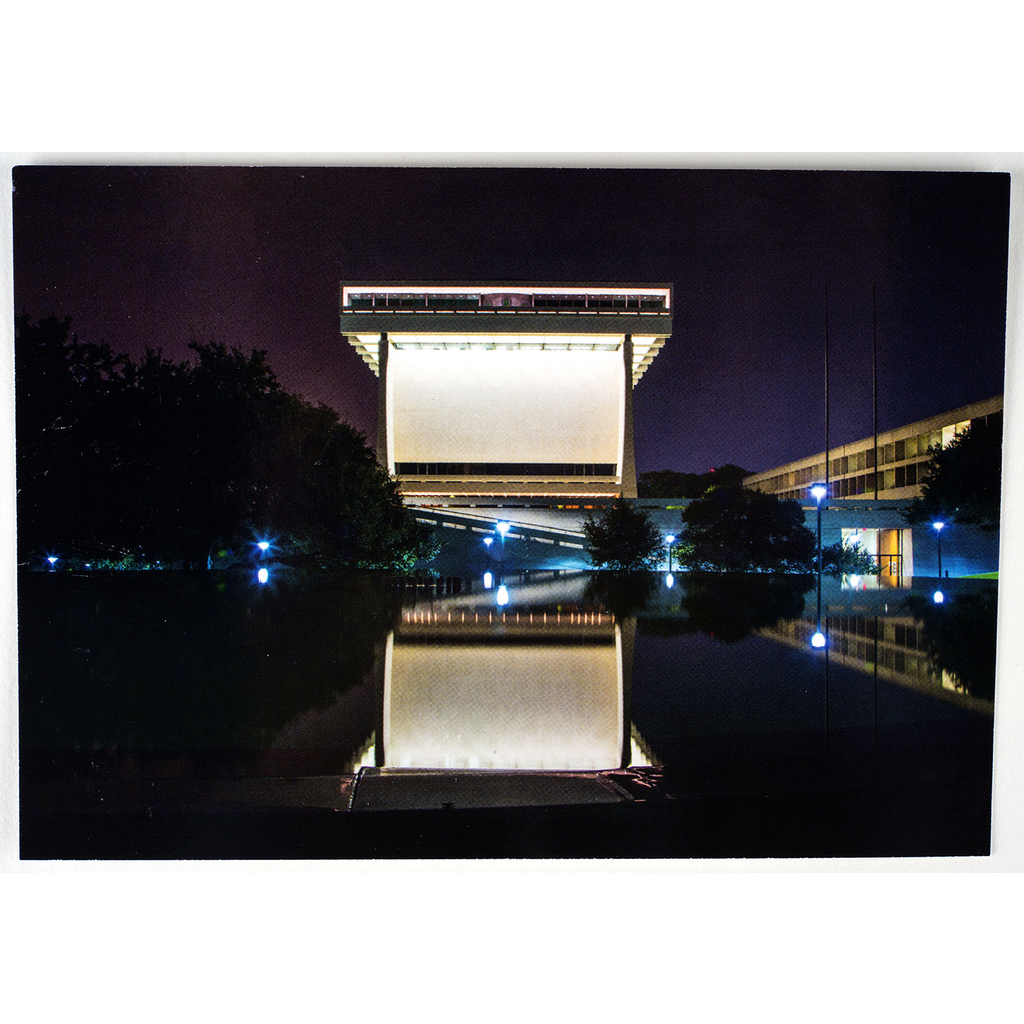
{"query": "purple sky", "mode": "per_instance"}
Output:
(145, 256)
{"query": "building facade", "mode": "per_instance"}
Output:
(506, 391)
(891, 468)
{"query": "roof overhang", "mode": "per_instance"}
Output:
(508, 327)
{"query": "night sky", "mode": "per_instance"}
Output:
(253, 257)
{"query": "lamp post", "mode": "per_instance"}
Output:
(819, 491)
(938, 527)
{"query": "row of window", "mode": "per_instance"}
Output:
(458, 469)
(854, 486)
(895, 451)
(510, 301)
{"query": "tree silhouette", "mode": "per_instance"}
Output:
(732, 529)
(962, 481)
(623, 538)
(127, 464)
(667, 483)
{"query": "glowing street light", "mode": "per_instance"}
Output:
(52, 559)
(263, 545)
(263, 575)
(670, 580)
(502, 596)
(937, 526)
(818, 491)
(488, 581)
(818, 640)
(938, 597)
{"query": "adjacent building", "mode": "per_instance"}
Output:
(871, 482)
(889, 467)
(506, 391)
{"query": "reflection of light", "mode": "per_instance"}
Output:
(488, 581)
(503, 594)
(263, 575)
(669, 580)
(818, 640)
(938, 597)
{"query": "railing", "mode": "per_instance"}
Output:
(519, 531)
(588, 304)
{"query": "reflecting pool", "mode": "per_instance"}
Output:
(553, 714)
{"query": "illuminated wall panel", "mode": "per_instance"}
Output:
(487, 706)
(505, 406)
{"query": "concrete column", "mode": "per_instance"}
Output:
(383, 455)
(628, 467)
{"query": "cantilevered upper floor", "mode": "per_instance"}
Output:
(589, 317)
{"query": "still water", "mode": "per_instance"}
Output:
(153, 691)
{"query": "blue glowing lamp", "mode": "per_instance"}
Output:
(488, 581)
(488, 541)
(263, 545)
(818, 491)
(503, 528)
(818, 640)
(670, 580)
(502, 595)
(52, 559)
(263, 575)
(938, 597)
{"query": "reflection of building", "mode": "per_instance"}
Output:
(888, 647)
(507, 390)
(540, 683)
(855, 514)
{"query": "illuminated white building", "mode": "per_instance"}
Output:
(889, 466)
(507, 390)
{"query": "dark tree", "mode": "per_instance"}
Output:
(962, 481)
(667, 483)
(623, 538)
(67, 399)
(186, 463)
(732, 529)
(839, 560)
